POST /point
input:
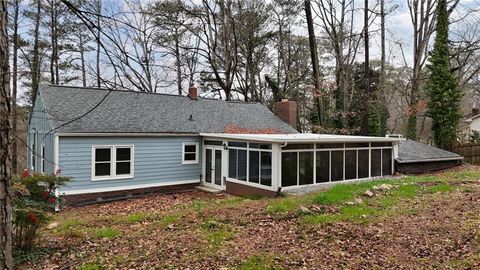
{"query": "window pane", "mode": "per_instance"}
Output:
(253, 174)
(337, 165)
(323, 166)
(190, 148)
(102, 154)
(387, 161)
(350, 164)
(379, 144)
(218, 167)
(242, 165)
(356, 145)
(232, 163)
(238, 144)
(207, 142)
(208, 165)
(376, 162)
(123, 154)
(190, 157)
(102, 169)
(123, 168)
(298, 146)
(266, 169)
(363, 165)
(289, 169)
(305, 168)
(261, 146)
(329, 145)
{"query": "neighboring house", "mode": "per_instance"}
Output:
(473, 124)
(117, 143)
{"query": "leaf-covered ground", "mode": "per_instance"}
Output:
(417, 222)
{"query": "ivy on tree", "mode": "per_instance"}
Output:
(442, 86)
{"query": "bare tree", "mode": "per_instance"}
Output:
(16, 11)
(315, 68)
(6, 260)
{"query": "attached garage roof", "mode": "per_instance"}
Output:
(300, 138)
(412, 151)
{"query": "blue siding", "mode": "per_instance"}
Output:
(40, 132)
(157, 160)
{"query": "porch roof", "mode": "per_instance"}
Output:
(300, 138)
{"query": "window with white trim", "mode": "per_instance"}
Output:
(190, 153)
(112, 162)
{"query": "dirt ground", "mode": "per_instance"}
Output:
(195, 230)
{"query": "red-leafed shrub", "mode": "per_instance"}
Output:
(34, 197)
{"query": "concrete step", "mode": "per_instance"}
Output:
(208, 189)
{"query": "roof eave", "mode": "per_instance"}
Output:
(428, 160)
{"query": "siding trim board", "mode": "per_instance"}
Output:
(128, 187)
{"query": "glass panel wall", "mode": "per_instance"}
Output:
(289, 169)
(251, 162)
(305, 168)
(323, 166)
(302, 165)
(350, 164)
(337, 165)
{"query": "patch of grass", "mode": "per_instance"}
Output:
(405, 191)
(136, 217)
(217, 237)
(439, 188)
(341, 193)
(356, 213)
(91, 266)
(107, 233)
(70, 228)
(464, 175)
(259, 263)
(283, 205)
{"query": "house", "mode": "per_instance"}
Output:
(117, 143)
(472, 123)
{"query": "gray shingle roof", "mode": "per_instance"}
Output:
(413, 151)
(138, 112)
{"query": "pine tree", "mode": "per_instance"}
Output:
(442, 86)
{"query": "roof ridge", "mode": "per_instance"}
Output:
(144, 92)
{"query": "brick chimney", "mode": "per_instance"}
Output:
(287, 111)
(192, 92)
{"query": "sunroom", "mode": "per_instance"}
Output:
(266, 164)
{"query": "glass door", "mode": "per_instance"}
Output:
(213, 166)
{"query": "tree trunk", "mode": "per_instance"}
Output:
(82, 60)
(367, 71)
(178, 65)
(382, 49)
(99, 11)
(36, 54)
(313, 54)
(53, 43)
(14, 86)
(6, 260)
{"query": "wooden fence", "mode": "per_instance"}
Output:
(470, 151)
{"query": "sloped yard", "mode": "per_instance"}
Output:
(429, 221)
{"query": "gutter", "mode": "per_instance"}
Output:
(428, 160)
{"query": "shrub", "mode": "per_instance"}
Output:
(34, 197)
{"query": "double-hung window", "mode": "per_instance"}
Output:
(190, 153)
(112, 162)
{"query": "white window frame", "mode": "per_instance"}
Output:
(113, 161)
(196, 144)
(42, 158)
